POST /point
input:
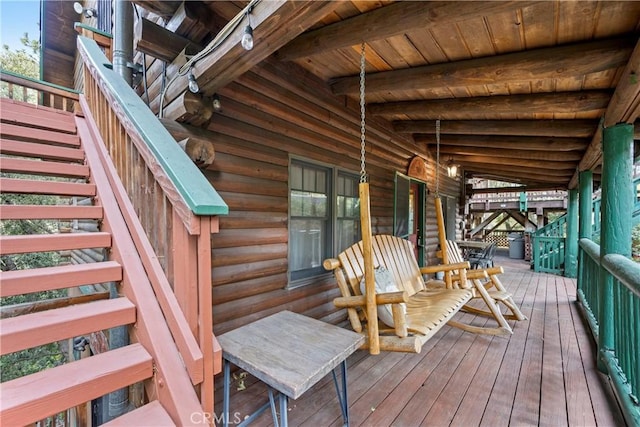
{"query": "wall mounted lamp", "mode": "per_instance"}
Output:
(88, 12)
(452, 169)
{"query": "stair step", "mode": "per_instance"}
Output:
(32, 330)
(30, 134)
(151, 414)
(50, 212)
(41, 151)
(32, 186)
(34, 397)
(37, 167)
(29, 115)
(53, 242)
(45, 279)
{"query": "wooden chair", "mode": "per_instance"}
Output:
(492, 291)
(425, 310)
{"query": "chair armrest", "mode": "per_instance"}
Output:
(381, 299)
(331, 263)
(494, 270)
(477, 274)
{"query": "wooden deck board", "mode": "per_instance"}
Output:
(544, 374)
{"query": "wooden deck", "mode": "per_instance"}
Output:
(544, 374)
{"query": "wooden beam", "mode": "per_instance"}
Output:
(538, 164)
(481, 106)
(229, 60)
(389, 21)
(506, 168)
(555, 128)
(515, 175)
(512, 153)
(164, 8)
(574, 60)
(517, 189)
(533, 143)
(623, 107)
(157, 41)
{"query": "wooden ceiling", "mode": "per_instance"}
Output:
(519, 87)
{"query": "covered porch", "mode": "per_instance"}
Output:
(544, 374)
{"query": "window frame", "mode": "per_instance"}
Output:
(313, 275)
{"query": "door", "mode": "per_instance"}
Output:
(409, 213)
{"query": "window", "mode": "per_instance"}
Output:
(324, 218)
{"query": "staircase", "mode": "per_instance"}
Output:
(58, 146)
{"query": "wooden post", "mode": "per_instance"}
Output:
(585, 228)
(571, 241)
(617, 207)
(442, 238)
(369, 279)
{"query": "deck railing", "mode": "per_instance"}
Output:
(27, 89)
(548, 245)
(177, 207)
(620, 318)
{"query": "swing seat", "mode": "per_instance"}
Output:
(418, 313)
(492, 291)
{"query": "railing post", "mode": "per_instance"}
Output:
(617, 206)
(585, 227)
(571, 240)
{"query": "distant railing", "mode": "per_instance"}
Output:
(548, 245)
(557, 228)
(621, 319)
(176, 205)
(33, 91)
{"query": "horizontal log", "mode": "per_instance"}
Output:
(247, 288)
(381, 299)
(389, 21)
(538, 164)
(249, 220)
(514, 175)
(247, 254)
(480, 106)
(160, 8)
(560, 62)
(237, 238)
(533, 143)
(467, 164)
(239, 272)
(552, 128)
(518, 189)
(512, 153)
(252, 202)
(8, 311)
(229, 182)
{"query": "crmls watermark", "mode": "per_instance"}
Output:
(208, 417)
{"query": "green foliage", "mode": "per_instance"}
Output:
(25, 362)
(26, 62)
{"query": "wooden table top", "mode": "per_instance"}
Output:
(289, 351)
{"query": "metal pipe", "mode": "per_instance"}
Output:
(123, 39)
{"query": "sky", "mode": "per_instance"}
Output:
(16, 18)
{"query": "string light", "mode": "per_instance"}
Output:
(193, 83)
(217, 105)
(247, 36)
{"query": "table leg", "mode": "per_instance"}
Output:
(283, 410)
(342, 397)
(225, 405)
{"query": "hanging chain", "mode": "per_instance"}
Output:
(363, 172)
(437, 157)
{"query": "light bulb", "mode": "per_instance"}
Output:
(217, 105)
(193, 84)
(247, 38)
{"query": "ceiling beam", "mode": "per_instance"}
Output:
(545, 164)
(574, 60)
(515, 154)
(515, 174)
(555, 128)
(518, 189)
(623, 108)
(228, 60)
(508, 169)
(481, 106)
(161, 8)
(388, 21)
(509, 142)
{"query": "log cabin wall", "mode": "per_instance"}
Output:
(272, 113)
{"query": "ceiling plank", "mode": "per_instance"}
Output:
(519, 173)
(518, 189)
(623, 108)
(511, 153)
(228, 60)
(533, 143)
(160, 8)
(389, 21)
(478, 107)
(574, 60)
(556, 128)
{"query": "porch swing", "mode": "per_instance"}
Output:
(382, 285)
(484, 283)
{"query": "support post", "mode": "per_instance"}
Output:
(369, 279)
(617, 206)
(571, 241)
(585, 227)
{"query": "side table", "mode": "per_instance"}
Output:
(290, 353)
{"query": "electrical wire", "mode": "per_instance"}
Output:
(211, 47)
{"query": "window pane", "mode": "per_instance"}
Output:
(295, 177)
(308, 243)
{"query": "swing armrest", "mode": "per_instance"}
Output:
(477, 274)
(381, 299)
(445, 267)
